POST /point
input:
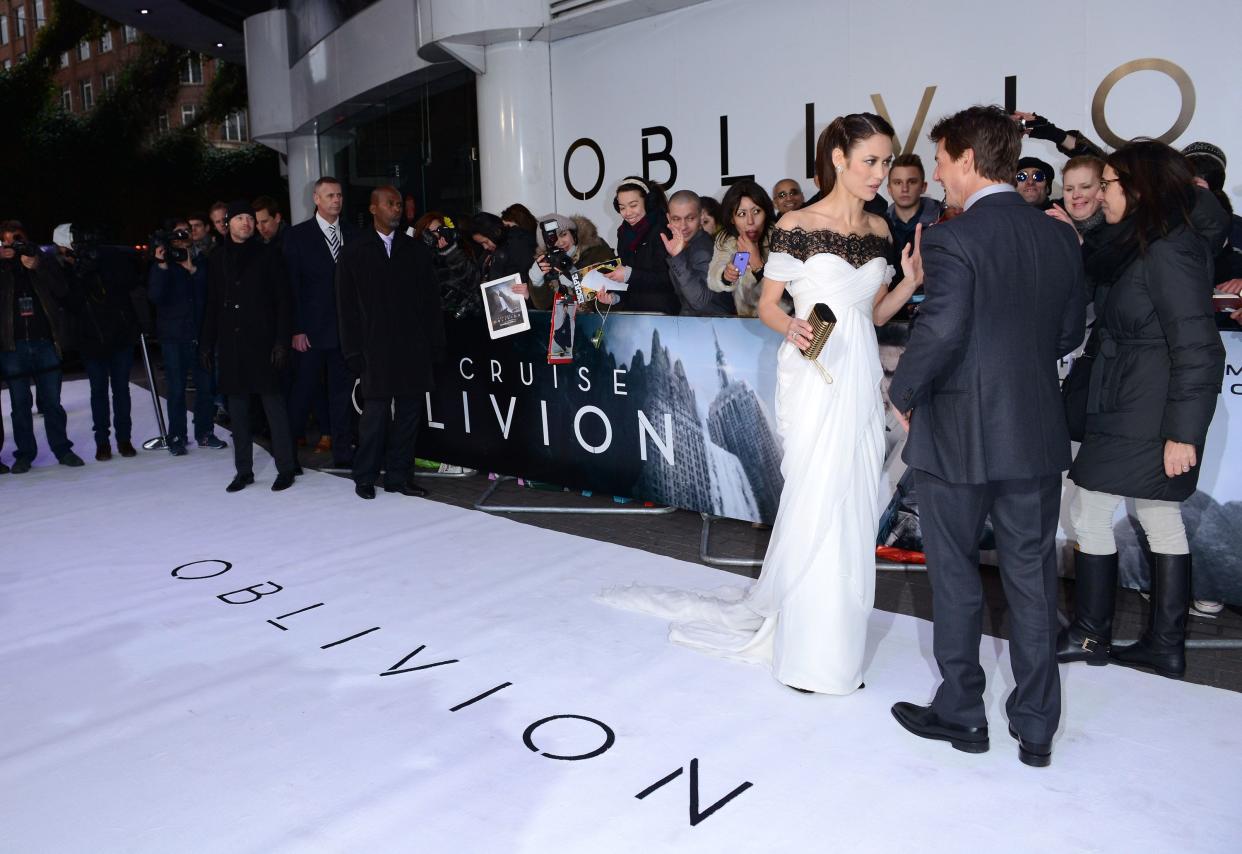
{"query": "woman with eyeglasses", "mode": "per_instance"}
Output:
(1153, 391)
(743, 239)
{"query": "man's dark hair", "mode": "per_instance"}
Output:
(1159, 188)
(326, 179)
(11, 225)
(266, 203)
(201, 217)
(912, 161)
(995, 138)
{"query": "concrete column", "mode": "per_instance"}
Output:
(304, 171)
(517, 163)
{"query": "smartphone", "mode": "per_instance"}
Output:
(1227, 302)
(740, 260)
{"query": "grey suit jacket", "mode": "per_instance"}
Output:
(1005, 300)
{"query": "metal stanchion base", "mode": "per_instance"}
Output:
(481, 504)
(156, 444)
(710, 559)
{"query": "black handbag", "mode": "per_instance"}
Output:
(1076, 387)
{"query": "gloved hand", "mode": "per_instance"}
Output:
(280, 357)
(1041, 128)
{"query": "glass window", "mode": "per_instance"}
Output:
(64, 59)
(66, 99)
(39, 16)
(19, 12)
(235, 126)
(187, 114)
(8, 63)
(130, 34)
(84, 49)
(4, 29)
(88, 96)
(192, 70)
(109, 81)
(105, 41)
(161, 122)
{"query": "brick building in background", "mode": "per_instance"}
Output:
(91, 69)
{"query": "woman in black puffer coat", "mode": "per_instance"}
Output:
(1153, 390)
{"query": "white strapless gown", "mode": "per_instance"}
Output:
(806, 615)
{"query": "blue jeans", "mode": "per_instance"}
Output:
(35, 360)
(112, 369)
(180, 358)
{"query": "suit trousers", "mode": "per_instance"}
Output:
(387, 430)
(1024, 516)
(308, 372)
(277, 421)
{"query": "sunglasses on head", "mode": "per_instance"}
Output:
(1036, 175)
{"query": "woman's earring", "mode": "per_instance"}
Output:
(840, 168)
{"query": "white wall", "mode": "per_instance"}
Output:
(685, 69)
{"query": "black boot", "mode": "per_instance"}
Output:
(1163, 646)
(1095, 592)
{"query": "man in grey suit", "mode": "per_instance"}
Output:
(979, 394)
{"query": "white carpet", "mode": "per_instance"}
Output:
(141, 713)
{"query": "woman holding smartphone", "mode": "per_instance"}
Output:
(742, 245)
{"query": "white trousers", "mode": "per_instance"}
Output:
(1092, 514)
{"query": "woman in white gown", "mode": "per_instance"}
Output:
(806, 615)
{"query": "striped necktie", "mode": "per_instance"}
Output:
(334, 242)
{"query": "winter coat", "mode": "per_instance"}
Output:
(1159, 364)
(49, 286)
(249, 316)
(180, 299)
(100, 301)
(746, 289)
(392, 330)
(459, 282)
(588, 250)
(649, 287)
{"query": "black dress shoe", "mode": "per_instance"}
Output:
(925, 723)
(1031, 753)
(407, 488)
(282, 481)
(297, 471)
(365, 490)
(239, 482)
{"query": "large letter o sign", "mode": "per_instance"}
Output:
(584, 142)
(1184, 87)
(609, 737)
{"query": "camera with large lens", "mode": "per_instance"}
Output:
(24, 247)
(164, 238)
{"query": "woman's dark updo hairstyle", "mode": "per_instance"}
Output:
(488, 225)
(653, 193)
(733, 200)
(1213, 174)
(844, 132)
(520, 216)
(1159, 188)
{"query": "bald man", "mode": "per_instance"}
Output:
(392, 333)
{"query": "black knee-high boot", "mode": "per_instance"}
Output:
(1095, 594)
(1163, 646)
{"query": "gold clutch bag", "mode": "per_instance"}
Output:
(823, 321)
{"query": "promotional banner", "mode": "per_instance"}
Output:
(720, 90)
(680, 411)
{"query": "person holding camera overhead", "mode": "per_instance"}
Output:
(177, 286)
(643, 257)
(32, 335)
(248, 318)
(457, 277)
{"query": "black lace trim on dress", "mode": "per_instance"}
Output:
(856, 249)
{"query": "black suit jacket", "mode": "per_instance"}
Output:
(1005, 300)
(392, 329)
(312, 280)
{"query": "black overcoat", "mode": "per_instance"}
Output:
(392, 331)
(1159, 364)
(248, 315)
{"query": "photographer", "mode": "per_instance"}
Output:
(455, 274)
(32, 333)
(177, 285)
(101, 281)
(577, 245)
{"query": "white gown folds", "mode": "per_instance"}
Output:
(806, 615)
